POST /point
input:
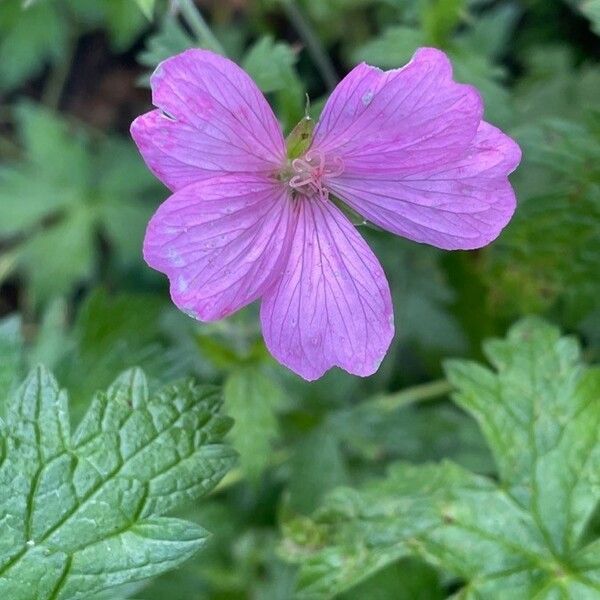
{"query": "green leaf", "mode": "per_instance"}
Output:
(392, 49)
(11, 351)
(83, 513)
(51, 342)
(252, 400)
(170, 39)
(300, 138)
(237, 563)
(552, 244)
(49, 180)
(232, 343)
(336, 18)
(440, 18)
(29, 39)
(422, 294)
(123, 19)
(114, 332)
(539, 413)
(395, 47)
(147, 7)
(70, 243)
(271, 65)
(405, 580)
(417, 433)
(491, 32)
(53, 145)
(591, 9)
(527, 535)
(554, 86)
(123, 185)
(308, 485)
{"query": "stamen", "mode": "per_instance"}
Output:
(319, 158)
(311, 170)
(300, 165)
(297, 181)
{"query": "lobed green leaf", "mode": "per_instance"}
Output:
(527, 535)
(83, 513)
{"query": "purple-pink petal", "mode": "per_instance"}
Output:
(380, 122)
(406, 148)
(457, 204)
(221, 242)
(211, 120)
(332, 306)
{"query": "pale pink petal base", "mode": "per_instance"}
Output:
(221, 242)
(333, 305)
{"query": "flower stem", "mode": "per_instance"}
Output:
(313, 43)
(55, 85)
(8, 262)
(417, 393)
(199, 26)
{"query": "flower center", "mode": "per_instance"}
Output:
(310, 170)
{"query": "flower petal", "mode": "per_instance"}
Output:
(395, 121)
(332, 306)
(456, 205)
(221, 242)
(212, 120)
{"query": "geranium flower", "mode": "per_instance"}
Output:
(407, 149)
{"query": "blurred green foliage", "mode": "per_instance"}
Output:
(34, 34)
(76, 296)
(76, 189)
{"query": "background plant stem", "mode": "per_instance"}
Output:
(417, 393)
(313, 44)
(55, 85)
(199, 26)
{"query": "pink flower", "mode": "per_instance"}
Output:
(406, 148)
